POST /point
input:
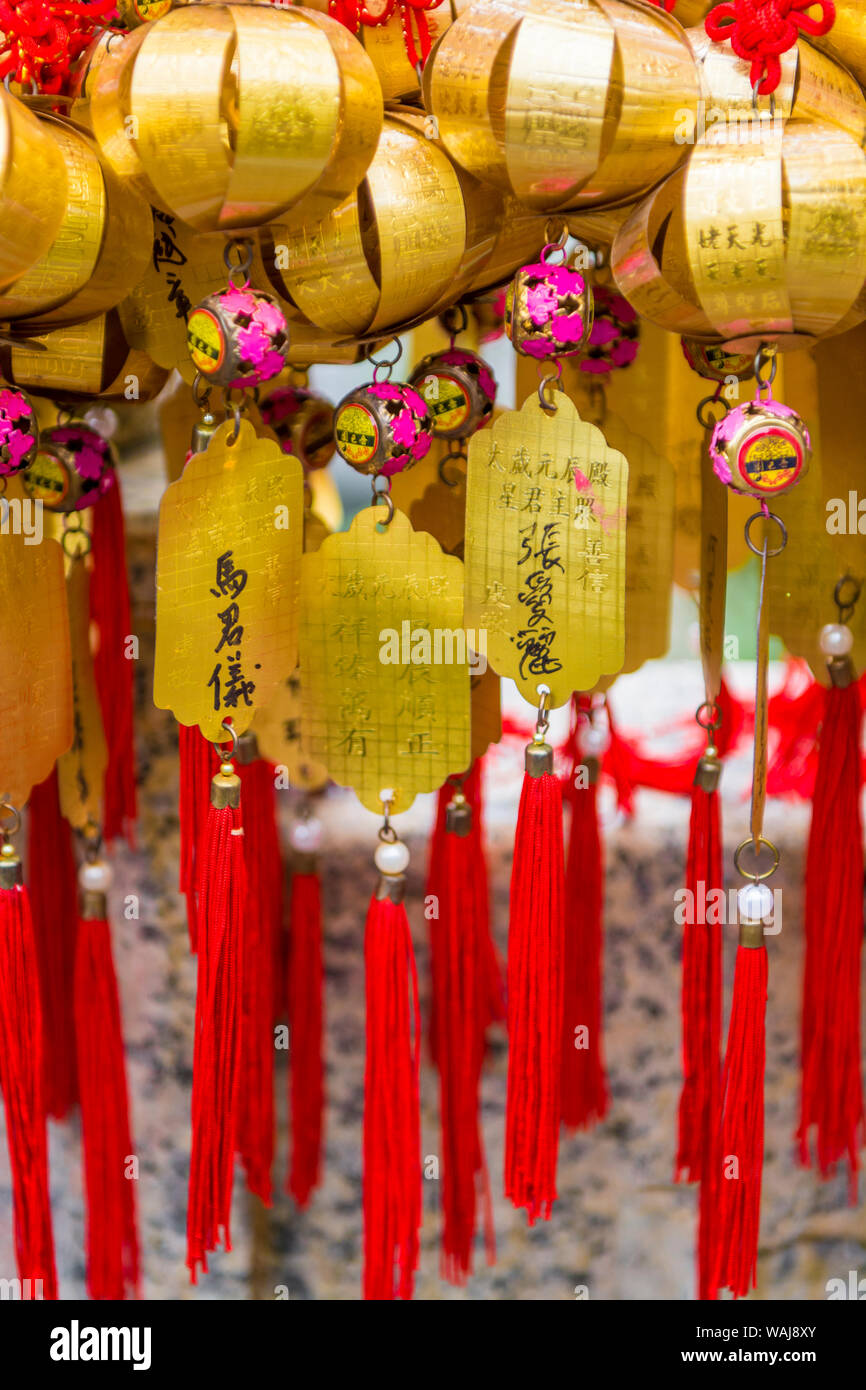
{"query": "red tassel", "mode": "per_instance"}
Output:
(112, 1234)
(264, 905)
(112, 669)
(585, 1098)
(218, 1025)
(832, 1084)
(467, 995)
(740, 1158)
(53, 901)
(197, 765)
(21, 1081)
(701, 998)
(392, 1122)
(307, 1093)
(536, 944)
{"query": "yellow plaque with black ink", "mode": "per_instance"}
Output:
(228, 559)
(545, 548)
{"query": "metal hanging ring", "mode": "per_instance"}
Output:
(709, 422)
(760, 550)
(386, 361)
(714, 721)
(232, 735)
(244, 246)
(453, 456)
(75, 542)
(34, 89)
(201, 390)
(448, 320)
(553, 381)
(542, 723)
(756, 849)
(387, 833)
(766, 353)
(846, 606)
(236, 413)
(10, 828)
(755, 95)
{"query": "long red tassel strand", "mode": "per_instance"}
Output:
(467, 995)
(112, 1228)
(264, 905)
(112, 667)
(306, 1014)
(218, 1022)
(392, 1121)
(21, 1081)
(585, 1097)
(740, 1158)
(196, 769)
(831, 1098)
(536, 945)
(53, 901)
(701, 998)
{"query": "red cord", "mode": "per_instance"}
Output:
(760, 31)
(40, 41)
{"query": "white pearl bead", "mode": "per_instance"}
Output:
(391, 858)
(595, 740)
(755, 902)
(95, 878)
(101, 419)
(836, 639)
(306, 835)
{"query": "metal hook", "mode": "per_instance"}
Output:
(231, 733)
(542, 723)
(760, 550)
(846, 609)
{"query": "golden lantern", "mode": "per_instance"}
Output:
(97, 254)
(226, 115)
(753, 241)
(82, 362)
(416, 235)
(846, 41)
(812, 87)
(32, 189)
(564, 103)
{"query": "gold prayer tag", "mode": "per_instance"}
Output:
(278, 731)
(385, 668)
(35, 673)
(649, 559)
(441, 511)
(545, 548)
(81, 769)
(486, 712)
(228, 556)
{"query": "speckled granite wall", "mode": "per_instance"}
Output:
(622, 1227)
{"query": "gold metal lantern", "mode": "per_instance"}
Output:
(812, 87)
(32, 189)
(97, 253)
(416, 235)
(564, 103)
(226, 115)
(753, 240)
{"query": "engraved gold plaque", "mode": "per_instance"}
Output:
(81, 769)
(278, 732)
(228, 555)
(374, 604)
(649, 560)
(545, 548)
(36, 672)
